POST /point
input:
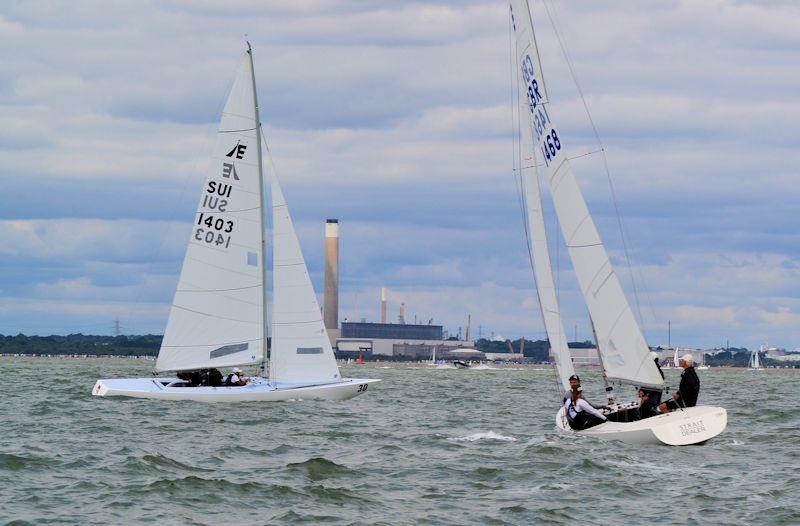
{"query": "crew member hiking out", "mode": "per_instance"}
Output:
(580, 413)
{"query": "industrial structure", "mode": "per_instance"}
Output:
(386, 339)
(330, 311)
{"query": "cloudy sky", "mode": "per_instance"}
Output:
(394, 117)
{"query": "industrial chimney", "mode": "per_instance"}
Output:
(402, 318)
(469, 326)
(330, 310)
(383, 304)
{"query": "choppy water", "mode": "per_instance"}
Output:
(427, 446)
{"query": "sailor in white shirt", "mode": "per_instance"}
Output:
(580, 413)
(236, 378)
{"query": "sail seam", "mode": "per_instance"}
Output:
(224, 296)
(222, 268)
(217, 290)
(236, 131)
(585, 246)
(212, 315)
(210, 344)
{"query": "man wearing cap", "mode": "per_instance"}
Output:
(574, 383)
(236, 378)
(688, 390)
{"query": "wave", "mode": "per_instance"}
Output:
(11, 462)
(320, 468)
(483, 435)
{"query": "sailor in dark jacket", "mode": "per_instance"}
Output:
(688, 389)
(654, 395)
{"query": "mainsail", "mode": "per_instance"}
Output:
(217, 314)
(624, 352)
(301, 351)
(537, 246)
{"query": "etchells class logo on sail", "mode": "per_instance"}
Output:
(237, 151)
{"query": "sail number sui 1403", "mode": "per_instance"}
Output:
(210, 236)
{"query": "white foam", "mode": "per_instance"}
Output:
(484, 435)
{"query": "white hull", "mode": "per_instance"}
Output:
(260, 390)
(684, 427)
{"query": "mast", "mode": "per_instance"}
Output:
(261, 215)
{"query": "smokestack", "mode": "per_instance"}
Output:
(383, 304)
(402, 318)
(469, 323)
(331, 295)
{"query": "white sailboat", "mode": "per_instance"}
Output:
(624, 354)
(755, 360)
(218, 315)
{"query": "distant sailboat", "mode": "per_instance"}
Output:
(624, 354)
(218, 315)
(755, 360)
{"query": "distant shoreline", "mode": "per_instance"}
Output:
(145, 358)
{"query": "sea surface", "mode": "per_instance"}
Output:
(426, 446)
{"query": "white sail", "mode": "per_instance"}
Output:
(216, 318)
(624, 352)
(301, 351)
(537, 246)
(755, 359)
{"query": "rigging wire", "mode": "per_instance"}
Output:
(554, 23)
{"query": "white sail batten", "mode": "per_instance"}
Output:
(539, 251)
(217, 313)
(301, 351)
(625, 354)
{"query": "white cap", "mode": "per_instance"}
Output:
(237, 370)
(688, 358)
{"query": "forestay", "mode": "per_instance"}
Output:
(537, 243)
(216, 318)
(301, 352)
(625, 353)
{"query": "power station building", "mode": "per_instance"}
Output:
(386, 339)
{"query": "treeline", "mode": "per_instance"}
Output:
(732, 357)
(538, 350)
(145, 345)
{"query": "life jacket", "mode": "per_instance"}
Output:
(580, 419)
(215, 378)
(229, 381)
